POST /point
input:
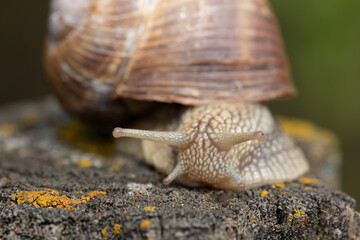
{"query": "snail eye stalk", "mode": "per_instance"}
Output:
(178, 170)
(176, 139)
(226, 140)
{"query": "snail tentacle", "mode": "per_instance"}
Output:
(178, 170)
(225, 140)
(236, 177)
(176, 139)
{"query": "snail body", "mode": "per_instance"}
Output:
(226, 146)
(220, 58)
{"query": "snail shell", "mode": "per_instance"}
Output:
(183, 51)
(223, 54)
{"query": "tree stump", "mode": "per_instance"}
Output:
(57, 181)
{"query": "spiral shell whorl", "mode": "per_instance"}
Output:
(204, 52)
(88, 50)
(184, 51)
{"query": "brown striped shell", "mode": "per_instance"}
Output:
(183, 51)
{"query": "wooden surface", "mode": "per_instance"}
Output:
(58, 181)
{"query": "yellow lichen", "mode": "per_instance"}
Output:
(8, 129)
(296, 127)
(124, 212)
(82, 137)
(284, 193)
(145, 224)
(300, 217)
(308, 180)
(50, 198)
(303, 129)
(309, 188)
(279, 185)
(95, 193)
(84, 162)
(104, 233)
(116, 165)
(253, 221)
(211, 207)
(150, 208)
(263, 193)
(30, 118)
(208, 194)
(117, 229)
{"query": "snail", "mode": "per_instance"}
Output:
(221, 59)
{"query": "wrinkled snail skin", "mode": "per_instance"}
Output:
(226, 146)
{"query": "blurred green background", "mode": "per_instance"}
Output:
(323, 44)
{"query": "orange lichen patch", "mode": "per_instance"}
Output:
(296, 127)
(308, 180)
(82, 137)
(150, 208)
(306, 130)
(29, 118)
(300, 217)
(51, 199)
(279, 185)
(117, 229)
(211, 207)
(84, 162)
(284, 193)
(116, 165)
(253, 221)
(208, 194)
(263, 193)
(104, 233)
(145, 224)
(8, 129)
(92, 194)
